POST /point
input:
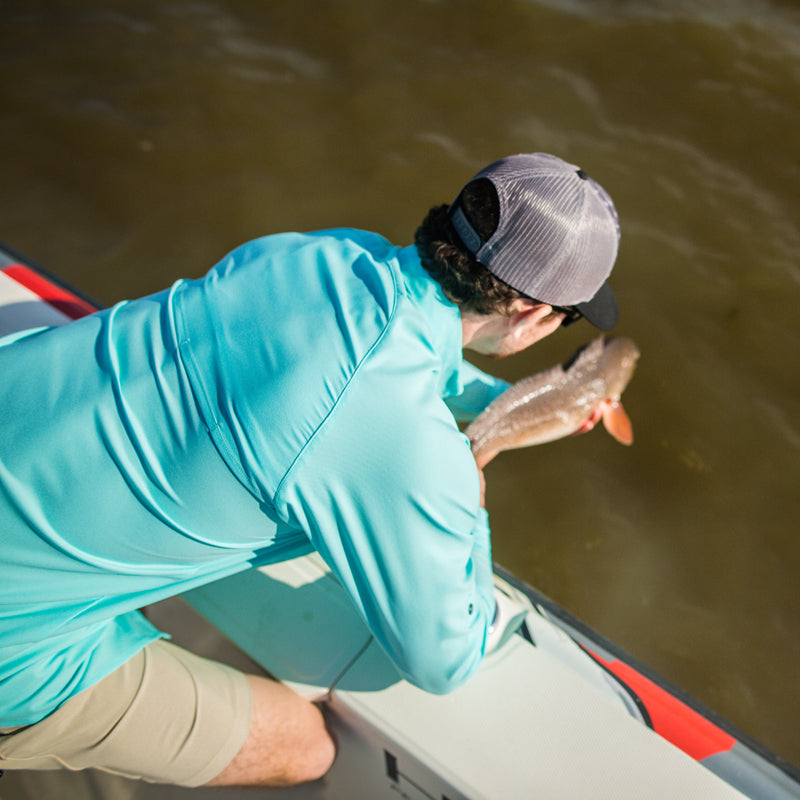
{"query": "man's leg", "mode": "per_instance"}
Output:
(170, 716)
(288, 742)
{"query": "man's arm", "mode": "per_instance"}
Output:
(388, 492)
(480, 389)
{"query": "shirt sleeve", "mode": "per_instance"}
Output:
(479, 390)
(388, 493)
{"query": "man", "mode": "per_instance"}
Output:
(303, 395)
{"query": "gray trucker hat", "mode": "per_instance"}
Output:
(557, 238)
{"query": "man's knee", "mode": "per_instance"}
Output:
(288, 743)
(321, 751)
(312, 751)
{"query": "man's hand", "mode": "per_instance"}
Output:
(594, 418)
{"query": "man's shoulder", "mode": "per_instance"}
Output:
(359, 263)
(342, 241)
(356, 237)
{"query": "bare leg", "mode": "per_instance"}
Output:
(288, 742)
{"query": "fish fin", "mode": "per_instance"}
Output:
(483, 458)
(617, 422)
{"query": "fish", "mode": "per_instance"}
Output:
(564, 400)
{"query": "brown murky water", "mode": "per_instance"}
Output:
(142, 140)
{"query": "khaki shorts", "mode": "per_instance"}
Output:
(166, 716)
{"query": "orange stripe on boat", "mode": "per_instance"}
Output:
(62, 299)
(672, 719)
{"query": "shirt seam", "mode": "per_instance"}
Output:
(317, 430)
(217, 430)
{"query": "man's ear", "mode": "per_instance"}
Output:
(522, 308)
(529, 322)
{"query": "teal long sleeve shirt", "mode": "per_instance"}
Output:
(303, 395)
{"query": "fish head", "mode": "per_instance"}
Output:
(620, 355)
(619, 358)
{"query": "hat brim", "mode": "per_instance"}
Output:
(602, 310)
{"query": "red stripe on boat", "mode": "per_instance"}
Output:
(65, 301)
(672, 719)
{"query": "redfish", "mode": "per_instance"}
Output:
(560, 401)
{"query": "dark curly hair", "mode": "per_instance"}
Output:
(463, 279)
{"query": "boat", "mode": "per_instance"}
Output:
(556, 709)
